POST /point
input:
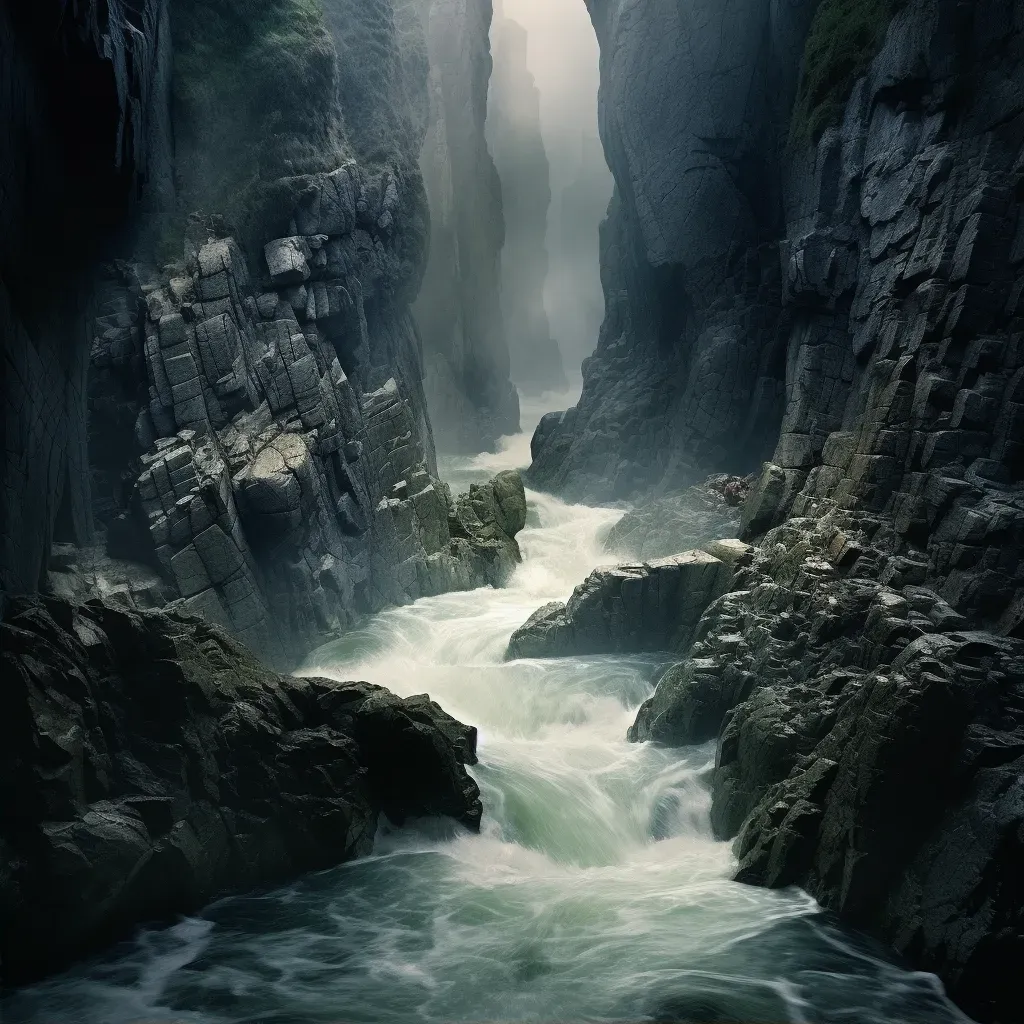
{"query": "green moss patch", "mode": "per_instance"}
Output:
(255, 95)
(844, 38)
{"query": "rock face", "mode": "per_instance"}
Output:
(150, 763)
(903, 272)
(871, 746)
(84, 123)
(689, 369)
(651, 606)
(514, 136)
(472, 401)
(281, 493)
(257, 426)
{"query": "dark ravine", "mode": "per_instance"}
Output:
(150, 763)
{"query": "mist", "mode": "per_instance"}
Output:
(562, 55)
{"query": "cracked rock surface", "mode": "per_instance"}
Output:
(150, 763)
(870, 746)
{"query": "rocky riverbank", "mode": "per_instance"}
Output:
(870, 738)
(150, 763)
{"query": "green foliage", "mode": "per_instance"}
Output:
(255, 87)
(844, 38)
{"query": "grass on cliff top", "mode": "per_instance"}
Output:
(845, 37)
(255, 93)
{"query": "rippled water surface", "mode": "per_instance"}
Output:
(594, 892)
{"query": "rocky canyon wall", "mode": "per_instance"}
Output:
(862, 668)
(471, 397)
(235, 321)
(689, 367)
(515, 139)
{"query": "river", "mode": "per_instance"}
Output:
(594, 892)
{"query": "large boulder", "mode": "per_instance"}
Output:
(648, 606)
(486, 519)
(149, 763)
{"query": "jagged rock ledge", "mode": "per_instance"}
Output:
(149, 763)
(870, 739)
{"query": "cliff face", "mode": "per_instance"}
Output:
(902, 267)
(257, 426)
(862, 674)
(85, 128)
(689, 367)
(514, 135)
(471, 398)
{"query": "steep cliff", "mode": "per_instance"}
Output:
(84, 129)
(514, 136)
(862, 673)
(471, 399)
(689, 367)
(257, 426)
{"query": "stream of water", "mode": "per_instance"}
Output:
(595, 891)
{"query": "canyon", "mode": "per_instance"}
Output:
(308, 280)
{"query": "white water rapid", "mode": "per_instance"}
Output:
(594, 892)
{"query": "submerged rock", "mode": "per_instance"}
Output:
(649, 606)
(149, 763)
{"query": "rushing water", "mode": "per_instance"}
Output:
(594, 892)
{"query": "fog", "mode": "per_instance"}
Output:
(562, 54)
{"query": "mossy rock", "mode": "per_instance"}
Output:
(845, 37)
(255, 97)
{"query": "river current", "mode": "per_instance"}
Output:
(594, 892)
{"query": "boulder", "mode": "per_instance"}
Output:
(150, 763)
(648, 606)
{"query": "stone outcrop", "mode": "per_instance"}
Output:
(258, 428)
(281, 492)
(870, 746)
(150, 763)
(466, 360)
(627, 609)
(515, 140)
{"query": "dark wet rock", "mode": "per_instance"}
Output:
(870, 746)
(680, 522)
(150, 762)
(649, 606)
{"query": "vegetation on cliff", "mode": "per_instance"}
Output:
(845, 35)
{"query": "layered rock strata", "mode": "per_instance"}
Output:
(870, 746)
(472, 400)
(150, 763)
(281, 492)
(514, 137)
